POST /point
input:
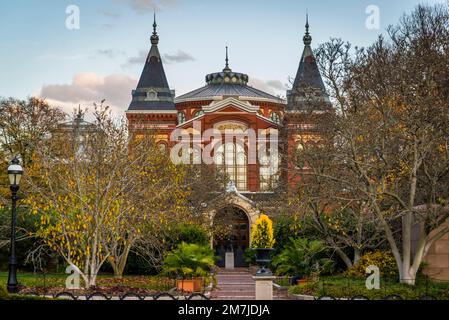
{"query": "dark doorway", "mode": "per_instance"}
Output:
(232, 234)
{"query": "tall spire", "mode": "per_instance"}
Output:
(227, 69)
(308, 80)
(154, 37)
(307, 38)
(152, 91)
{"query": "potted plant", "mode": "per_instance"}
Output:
(262, 241)
(191, 264)
(303, 259)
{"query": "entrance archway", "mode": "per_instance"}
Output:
(231, 225)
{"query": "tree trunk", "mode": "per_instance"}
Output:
(357, 255)
(118, 262)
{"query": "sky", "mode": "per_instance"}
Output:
(42, 55)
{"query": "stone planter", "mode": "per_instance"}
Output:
(263, 258)
(189, 285)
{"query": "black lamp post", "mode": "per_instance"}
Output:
(15, 172)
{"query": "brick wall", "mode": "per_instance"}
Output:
(437, 260)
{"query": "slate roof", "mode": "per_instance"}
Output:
(227, 83)
(227, 89)
(308, 81)
(152, 91)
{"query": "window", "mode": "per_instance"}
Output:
(152, 95)
(162, 147)
(268, 169)
(198, 113)
(181, 117)
(231, 159)
(275, 117)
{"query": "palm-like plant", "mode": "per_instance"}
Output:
(302, 257)
(189, 261)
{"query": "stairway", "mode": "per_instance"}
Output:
(238, 284)
(234, 284)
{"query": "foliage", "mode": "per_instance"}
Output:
(262, 234)
(341, 287)
(285, 227)
(44, 283)
(303, 257)
(385, 152)
(189, 261)
(381, 259)
(250, 256)
(191, 233)
(96, 189)
(25, 124)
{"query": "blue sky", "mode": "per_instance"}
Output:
(102, 59)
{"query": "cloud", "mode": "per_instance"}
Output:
(109, 14)
(178, 57)
(273, 87)
(148, 6)
(87, 88)
(276, 84)
(110, 53)
(73, 57)
(139, 59)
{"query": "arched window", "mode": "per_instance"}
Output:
(231, 159)
(275, 117)
(181, 117)
(198, 113)
(268, 169)
(162, 146)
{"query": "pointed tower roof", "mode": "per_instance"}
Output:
(153, 91)
(308, 80)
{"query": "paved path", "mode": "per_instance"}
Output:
(238, 284)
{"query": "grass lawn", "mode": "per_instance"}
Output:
(342, 287)
(54, 283)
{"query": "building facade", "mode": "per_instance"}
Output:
(227, 103)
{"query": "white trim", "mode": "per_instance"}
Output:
(218, 98)
(244, 106)
(152, 111)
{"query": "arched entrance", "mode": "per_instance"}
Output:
(231, 233)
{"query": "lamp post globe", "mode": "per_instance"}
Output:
(15, 172)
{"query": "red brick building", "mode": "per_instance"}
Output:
(226, 103)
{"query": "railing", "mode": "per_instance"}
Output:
(53, 285)
(390, 289)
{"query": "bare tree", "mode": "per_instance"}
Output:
(389, 145)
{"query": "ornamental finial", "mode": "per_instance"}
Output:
(307, 38)
(227, 61)
(154, 37)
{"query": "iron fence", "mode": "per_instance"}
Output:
(108, 287)
(354, 289)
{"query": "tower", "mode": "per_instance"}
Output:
(307, 102)
(152, 105)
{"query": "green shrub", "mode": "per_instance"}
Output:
(340, 287)
(191, 233)
(303, 257)
(382, 259)
(285, 227)
(189, 261)
(250, 256)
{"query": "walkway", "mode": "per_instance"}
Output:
(238, 284)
